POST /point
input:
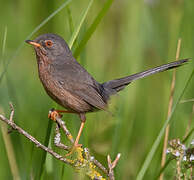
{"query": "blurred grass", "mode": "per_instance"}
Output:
(161, 133)
(77, 28)
(131, 37)
(93, 27)
(30, 35)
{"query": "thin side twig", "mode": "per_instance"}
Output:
(10, 150)
(57, 139)
(96, 162)
(112, 165)
(61, 123)
(12, 112)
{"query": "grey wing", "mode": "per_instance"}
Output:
(76, 80)
(87, 93)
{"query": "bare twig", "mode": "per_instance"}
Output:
(112, 165)
(97, 163)
(100, 166)
(61, 123)
(10, 152)
(12, 112)
(57, 139)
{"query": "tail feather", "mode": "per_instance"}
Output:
(113, 86)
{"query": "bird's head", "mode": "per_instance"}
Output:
(51, 46)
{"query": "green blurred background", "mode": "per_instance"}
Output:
(133, 36)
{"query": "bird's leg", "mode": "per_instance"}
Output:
(76, 145)
(53, 113)
(83, 120)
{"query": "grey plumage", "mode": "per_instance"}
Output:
(70, 85)
(117, 85)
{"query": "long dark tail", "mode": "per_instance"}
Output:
(113, 86)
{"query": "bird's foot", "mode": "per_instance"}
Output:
(73, 149)
(53, 114)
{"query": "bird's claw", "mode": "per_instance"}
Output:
(73, 149)
(53, 114)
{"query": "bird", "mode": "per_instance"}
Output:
(71, 86)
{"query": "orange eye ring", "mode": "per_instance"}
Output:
(49, 43)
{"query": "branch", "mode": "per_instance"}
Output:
(112, 165)
(80, 158)
(61, 123)
(31, 138)
(57, 139)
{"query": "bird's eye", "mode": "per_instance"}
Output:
(49, 43)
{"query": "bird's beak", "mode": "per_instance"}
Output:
(33, 43)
